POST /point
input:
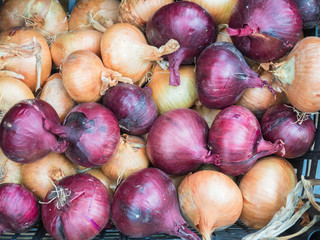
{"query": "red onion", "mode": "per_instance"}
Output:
(92, 133)
(19, 209)
(133, 106)
(189, 24)
(265, 30)
(22, 135)
(146, 203)
(222, 75)
(177, 142)
(78, 207)
(235, 135)
(294, 128)
(310, 12)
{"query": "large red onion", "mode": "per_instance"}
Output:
(177, 142)
(77, 208)
(222, 75)
(19, 209)
(22, 135)
(189, 24)
(133, 106)
(265, 30)
(146, 203)
(235, 135)
(294, 128)
(310, 12)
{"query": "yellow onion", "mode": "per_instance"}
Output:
(214, 168)
(209, 200)
(26, 52)
(39, 176)
(169, 97)
(10, 171)
(208, 114)
(138, 12)
(69, 42)
(265, 188)
(96, 172)
(94, 14)
(54, 92)
(124, 49)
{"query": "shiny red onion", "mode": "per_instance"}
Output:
(310, 12)
(133, 106)
(222, 75)
(77, 208)
(235, 135)
(92, 133)
(19, 209)
(146, 203)
(188, 23)
(265, 30)
(177, 142)
(294, 128)
(22, 135)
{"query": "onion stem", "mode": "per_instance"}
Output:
(241, 32)
(98, 26)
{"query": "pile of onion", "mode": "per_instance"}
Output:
(10, 171)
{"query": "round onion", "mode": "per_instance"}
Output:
(265, 188)
(310, 12)
(10, 171)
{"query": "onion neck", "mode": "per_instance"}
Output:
(267, 148)
(111, 78)
(211, 159)
(155, 54)
(285, 72)
(175, 59)
(242, 32)
(255, 81)
(184, 233)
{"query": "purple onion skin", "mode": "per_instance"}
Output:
(265, 30)
(235, 135)
(310, 12)
(23, 138)
(146, 203)
(19, 209)
(281, 122)
(133, 106)
(85, 212)
(177, 142)
(188, 23)
(222, 75)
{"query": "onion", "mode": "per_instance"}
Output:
(69, 42)
(222, 75)
(177, 142)
(23, 138)
(94, 14)
(124, 49)
(294, 128)
(236, 137)
(19, 210)
(168, 97)
(26, 52)
(209, 200)
(77, 208)
(85, 78)
(10, 171)
(310, 12)
(54, 92)
(138, 12)
(37, 176)
(146, 203)
(208, 114)
(92, 133)
(265, 30)
(265, 188)
(190, 25)
(96, 172)
(46, 16)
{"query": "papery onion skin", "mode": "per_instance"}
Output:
(265, 30)
(265, 188)
(20, 210)
(84, 213)
(189, 24)
(133, 106)
(282, 122)
(310, 12)
(10, 171)
(146, 203)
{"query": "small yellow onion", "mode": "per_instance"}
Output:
(169, 97)
(69, 42)
(26, 52)
(209, 200)
(85, 78)
(124, 49)
(94, 14)
(138, 12)
(129, 157)
(54, 92)
(10, 171)
(96, 172)
(265, 188)
(208, 114)
(39, 176)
